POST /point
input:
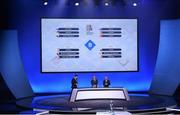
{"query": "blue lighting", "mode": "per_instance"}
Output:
(28, 25)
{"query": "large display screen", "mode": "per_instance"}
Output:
(89, 45)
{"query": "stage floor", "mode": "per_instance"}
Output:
(60, 103)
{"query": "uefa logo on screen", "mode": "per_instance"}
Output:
(89, 29)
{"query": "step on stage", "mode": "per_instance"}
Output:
(60, 104)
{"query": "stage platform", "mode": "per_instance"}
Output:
(138, 103)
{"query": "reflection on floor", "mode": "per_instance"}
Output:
(9, 106)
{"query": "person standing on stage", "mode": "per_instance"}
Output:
(94, 82)
(74, 82)
(106, 82)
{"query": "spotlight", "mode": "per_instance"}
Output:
(106, 4)
(134, 4)
(45, 3)
(76, 4)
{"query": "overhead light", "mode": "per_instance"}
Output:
(106, 4)
(76, 4)
(134, 4)
(45, 3)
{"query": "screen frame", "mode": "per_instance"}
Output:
(88, 71)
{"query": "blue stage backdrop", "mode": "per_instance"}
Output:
(27, 16)
(166, 76)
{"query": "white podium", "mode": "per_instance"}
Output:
(80, 94)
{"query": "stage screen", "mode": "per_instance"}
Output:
(89, 45)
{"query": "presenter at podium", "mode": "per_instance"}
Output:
(94, 82)
(106, 82)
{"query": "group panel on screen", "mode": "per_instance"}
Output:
(89, 45)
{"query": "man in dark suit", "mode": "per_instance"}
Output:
(94, 82)
(74, 81)
(106, 82)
